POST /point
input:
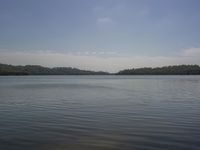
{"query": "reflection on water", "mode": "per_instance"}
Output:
(100, 112)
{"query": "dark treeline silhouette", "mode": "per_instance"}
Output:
(39, 70)
(167, 70)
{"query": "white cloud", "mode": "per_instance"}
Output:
(192, 52)
(104, 21)
(143, 12)
(94, 60)
(96, 53)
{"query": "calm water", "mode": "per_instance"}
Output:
(100, 113)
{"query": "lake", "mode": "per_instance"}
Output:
(100, 112)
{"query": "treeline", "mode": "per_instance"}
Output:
(167, 70)
(40, 70)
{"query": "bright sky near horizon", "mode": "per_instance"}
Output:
(107, 35)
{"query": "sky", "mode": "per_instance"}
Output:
(107, 35)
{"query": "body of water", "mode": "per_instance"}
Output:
(100, 113)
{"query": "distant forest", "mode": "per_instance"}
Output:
(40, 70)
(167, 70)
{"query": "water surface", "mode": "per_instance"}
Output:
(100, 113)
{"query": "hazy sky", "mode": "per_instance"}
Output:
(100, 34)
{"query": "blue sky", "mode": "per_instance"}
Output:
(100, 34)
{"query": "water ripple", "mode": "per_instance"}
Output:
(101, 113)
